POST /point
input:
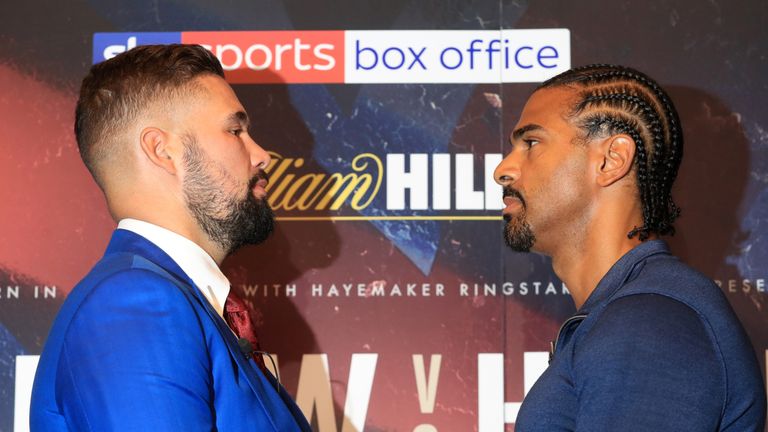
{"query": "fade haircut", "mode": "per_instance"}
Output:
(118, 91)
(619, 100)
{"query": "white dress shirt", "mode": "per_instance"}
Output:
(192, 259)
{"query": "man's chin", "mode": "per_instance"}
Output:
(263, 227)
(251, 224)
(518, 246)
(518, 235)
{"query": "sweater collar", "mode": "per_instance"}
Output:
(625, 268)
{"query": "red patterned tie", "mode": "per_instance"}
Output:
(239, 320)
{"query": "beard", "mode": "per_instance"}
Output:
(518, 234)
(229, 221)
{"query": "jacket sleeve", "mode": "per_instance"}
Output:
(648, 364)
(135, 358)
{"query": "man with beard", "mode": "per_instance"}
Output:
(143, 342)
(654, 345)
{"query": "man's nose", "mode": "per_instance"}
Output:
(508, 171)
(260, 158)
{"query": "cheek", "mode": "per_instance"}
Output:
(230, 152)
(571, 180)
(228, 177)
(576, 196)
(235, 164)
(231, 159)
(562, 190)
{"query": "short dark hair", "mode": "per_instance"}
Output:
(117, 91)
(617, 99)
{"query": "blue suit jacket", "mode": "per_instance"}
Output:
(136, 346)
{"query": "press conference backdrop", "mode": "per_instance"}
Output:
(386, 292)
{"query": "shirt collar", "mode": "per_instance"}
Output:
(192, 259)
(621, 271)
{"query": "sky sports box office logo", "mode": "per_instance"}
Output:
(369, 56)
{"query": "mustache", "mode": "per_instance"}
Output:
(509, 191)
(260, 175)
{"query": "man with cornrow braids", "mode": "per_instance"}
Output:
(654, 345)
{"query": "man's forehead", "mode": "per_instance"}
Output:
(546, 108)
(220, 97)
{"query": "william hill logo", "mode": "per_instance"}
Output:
(397, 187)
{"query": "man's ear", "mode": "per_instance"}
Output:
(155, 146)
(618, 155)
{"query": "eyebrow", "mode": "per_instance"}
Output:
(239, 117)
(519, 132)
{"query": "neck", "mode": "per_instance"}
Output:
(213, 249)
(583, 262)
(172, 218)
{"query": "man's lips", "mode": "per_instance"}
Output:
(259, 185)
(513, 201)
(512, 205)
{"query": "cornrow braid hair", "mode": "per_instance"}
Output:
(617, 99)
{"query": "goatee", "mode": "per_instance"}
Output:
(517, 232)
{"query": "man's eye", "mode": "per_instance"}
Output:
(236, 132)
(530, 142)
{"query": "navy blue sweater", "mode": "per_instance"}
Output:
(656, 347)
